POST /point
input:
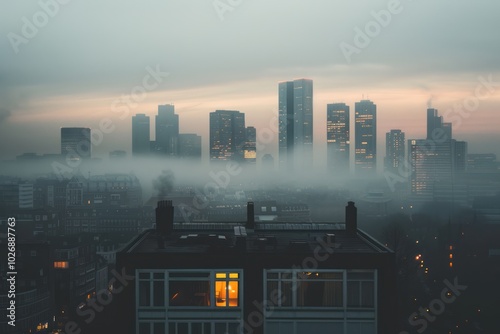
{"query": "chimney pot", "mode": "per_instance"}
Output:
(351, 218)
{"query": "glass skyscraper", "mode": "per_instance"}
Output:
(167, 130)
(366, 137)
(338, 138)
(75, 143)
(296, 125)
(227, 135)
(140, 135)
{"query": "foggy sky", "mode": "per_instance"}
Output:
(90, 53)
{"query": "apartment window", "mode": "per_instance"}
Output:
(319, 289)
(151, 328)
(61, 264)
(152, 289)
(188, 288)
(305, 289)
(360, 289)
(226, 289)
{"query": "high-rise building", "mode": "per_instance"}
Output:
(437, 130)
(167, 130)
(296, 124)
(190, 146)
(338, 138)
(250, 148)
(394, 150)
(436, 162)
(75, 143)
(227, 135)
(140, 135)
(366, 137)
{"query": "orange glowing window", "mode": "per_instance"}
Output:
(226, 290)
(61, 264)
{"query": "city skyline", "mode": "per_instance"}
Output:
(66, 87)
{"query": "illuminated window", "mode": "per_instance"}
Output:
(226, 289)
(61, 264)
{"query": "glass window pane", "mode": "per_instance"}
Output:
(359, 276)
(189, 293)
(188, 274)
(144, 328)
(196, 328)
(232, 291)
(143, 275)
(353, 294)
(220, 328)
(207, 328)
(158, 275)
(221, 293)
(220, 275)
(182, 328)
(286, 293)
(367, 294)
(158, 293)
(159, 328)
(233, 328)
(171, 328)
(144, 293)
(272, 275)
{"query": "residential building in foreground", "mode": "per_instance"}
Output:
(257, 277)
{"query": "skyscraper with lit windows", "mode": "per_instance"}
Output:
(366, 137)
(227, 135)
(338, 138)
(394, 150)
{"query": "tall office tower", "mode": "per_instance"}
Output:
(394, 150)
(167, 130)
(365, 132)
(267, 163)
(140, 135)
(338, 138)
(296, 125)
(250, 148)
(437, 161)
(437, 130)
(227, 135)
(190, 146)
(75, 143)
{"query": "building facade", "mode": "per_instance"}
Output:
(338, 138)
(366, 138)
(75, 143)
(140, 135)
(167, 130)
(394, 150)
(257, 278)
(227, 135)
(296, 124)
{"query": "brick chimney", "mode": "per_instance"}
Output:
(351, 218)
(250, 216)
(165, 217)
